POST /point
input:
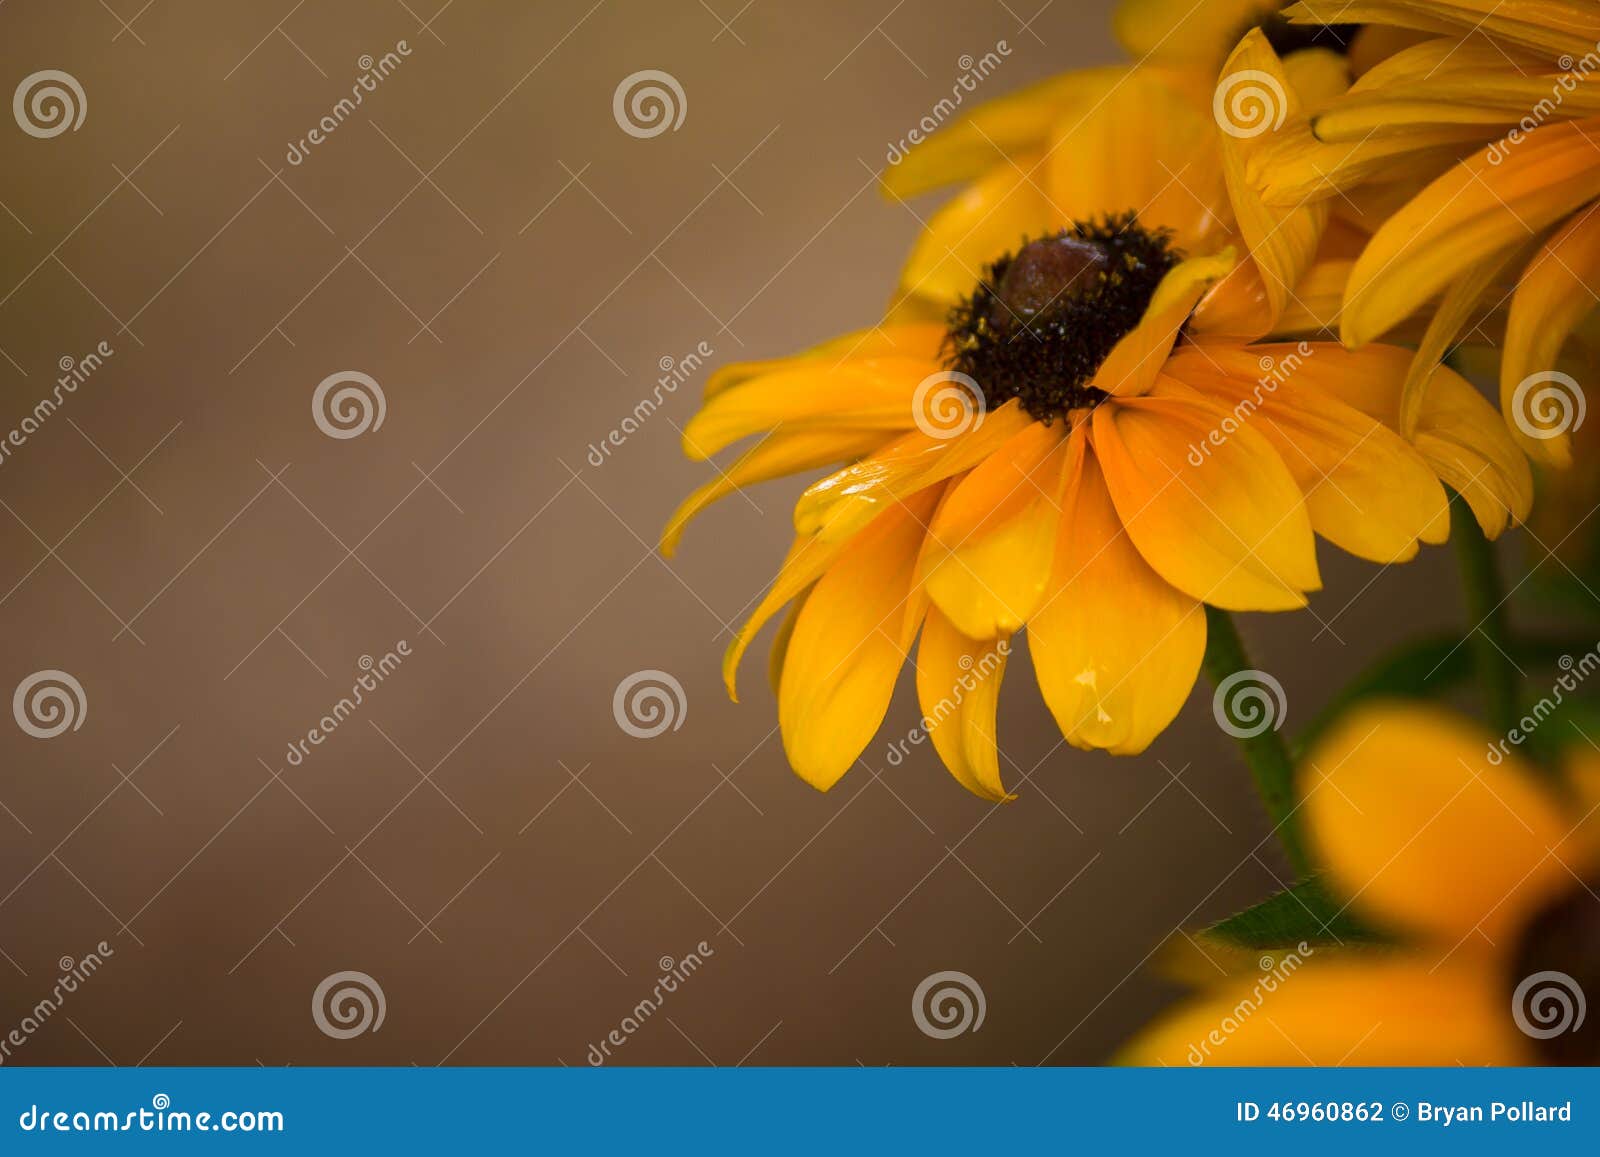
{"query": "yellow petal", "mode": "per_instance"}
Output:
(847, 646)
(988, 219)
(1469, 214)
(842, 503)
(775, 457)
(920, 340)
(958, 687)
(1551, 27)
(1131, 367)
(807, 561)
(1006, 126)
(1282, 240)
(1233, 530)
(1368, 491)
(1173, 178)
(1427, 828)
(1342, 1010)
(1183, 32)
(1115, 647)
(988, 552)
(1552, 299)
(1459, 434)
(859, 394)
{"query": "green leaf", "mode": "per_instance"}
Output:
(1306, 912)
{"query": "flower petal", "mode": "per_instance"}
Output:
(1233, 530)
(775, 457)
(958, 688)
(1183, 32)
(1347, 1010)
(921, 340)
(1115, 647)
(1471, 213)
(1426, 827)
(988, 551)
(1131, 367)
(1366, 488)
(1552, 299)
(847, 647)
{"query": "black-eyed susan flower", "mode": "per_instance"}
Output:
(1479, 142)
(1482, 875)
(1070, 425)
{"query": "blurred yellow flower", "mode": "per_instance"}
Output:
(1487, 877)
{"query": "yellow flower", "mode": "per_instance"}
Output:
(1075, 434)
(1481, 139)
(1486, 878)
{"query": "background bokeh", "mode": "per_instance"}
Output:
(482, 838)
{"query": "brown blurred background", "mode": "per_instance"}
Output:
(481, 837)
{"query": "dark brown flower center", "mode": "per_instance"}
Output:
(1286, 37)
(1043, 319)
(1555, 973)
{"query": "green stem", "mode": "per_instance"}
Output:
(1486, 608)
(1264, 752)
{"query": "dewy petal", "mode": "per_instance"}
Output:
(859, 394)
(988, 551)
(1368, 491)
(988, 219)
(1131, 367)
(781, 454)
(1231, 530)
(1552, 299)
(1374, 1009)
(1426, 827)
(847, 647)
(842, 503)
(1116, 648)
(1471, 213)
(1282, 241)
(1459, 434)
(1172, 176)
(993, 131)
(958, 688)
